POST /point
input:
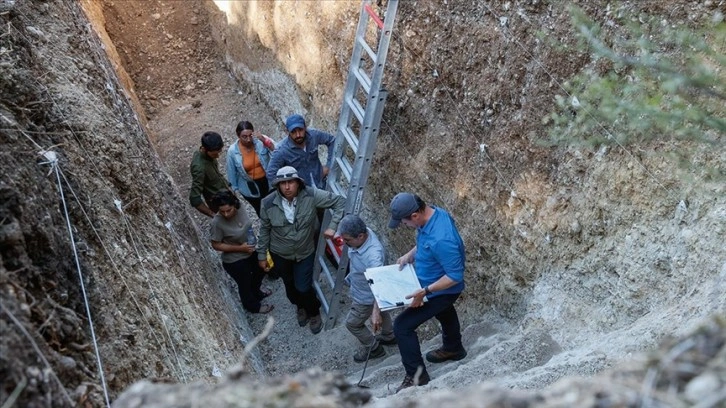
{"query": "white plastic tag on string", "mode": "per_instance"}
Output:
(216, 371)
(52, 159)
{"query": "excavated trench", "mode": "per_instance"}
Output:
(577, 259)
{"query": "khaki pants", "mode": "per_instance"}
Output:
(356, 324)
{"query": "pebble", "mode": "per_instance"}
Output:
(704, 384)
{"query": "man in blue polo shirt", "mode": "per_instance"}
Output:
(439, 261)
(300, 150)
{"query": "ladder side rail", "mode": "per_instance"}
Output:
(338, 288)
(319, 254)
(383, 44)
(323, 300)
(355, 69)
(363, 162)
(376, 81)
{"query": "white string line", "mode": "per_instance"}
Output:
(153, 296)
(103, 245)
(103, 57)
(93, 162)
(589, 113)
(183, 264)
(40, 354)
(112, 82)
(114, 265)
(42, 86)
(182, 261)
(97, 171)
(206, 301)
(97, 109)
(54, 165)
(131, 292)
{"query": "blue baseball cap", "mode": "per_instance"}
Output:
(294, 121)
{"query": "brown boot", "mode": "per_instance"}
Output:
(440, 355)
(316, 324)
(410, 381)
(302, 317)
(365, 353)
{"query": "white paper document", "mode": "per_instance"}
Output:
(391, 286)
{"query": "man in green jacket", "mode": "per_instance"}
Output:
(288, 222)
(206, 178)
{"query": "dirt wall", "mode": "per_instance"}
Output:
(470, 85)
(597, 253)
(149, 280)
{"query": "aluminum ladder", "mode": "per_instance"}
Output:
(355, 141)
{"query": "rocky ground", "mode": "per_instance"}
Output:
(578, 258)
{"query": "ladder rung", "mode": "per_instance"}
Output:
(325, 269)
(362, 41)
(372, 14)
(356, 107)
(321, 297)
(345, 167)
(334, 251)
(337, 189)
(363, 79)
(351, 138)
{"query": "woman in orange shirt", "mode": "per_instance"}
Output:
(246, 163)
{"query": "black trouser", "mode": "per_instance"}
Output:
(248, 275)
(263, 187)
(404, 327)
(298, 279)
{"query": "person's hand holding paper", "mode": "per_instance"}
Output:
(391, 284)
(418, 298)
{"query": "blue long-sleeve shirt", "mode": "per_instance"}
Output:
(439, 252)
(306, 161)
(369, 255)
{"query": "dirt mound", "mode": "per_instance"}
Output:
(577, 258)
(684, 372)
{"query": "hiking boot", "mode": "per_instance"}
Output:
(302, 317)
(316, 324)
(410, 381)
(362, 355)
(387, 342)
(440, 355)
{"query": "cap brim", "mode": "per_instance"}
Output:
(278, 181)
(394, 223)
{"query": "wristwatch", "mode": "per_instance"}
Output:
(427, 291)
